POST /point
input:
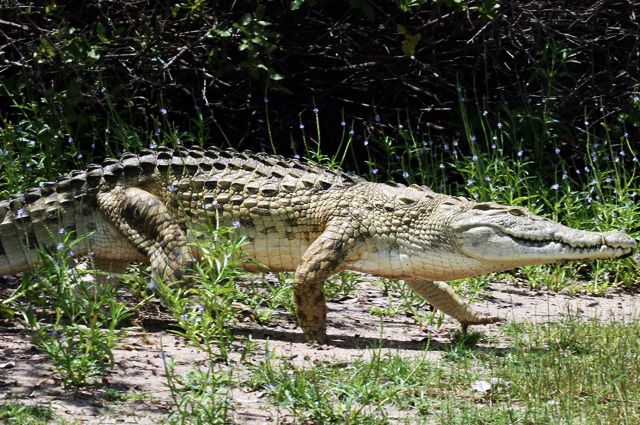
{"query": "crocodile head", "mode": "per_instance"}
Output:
(506, 237)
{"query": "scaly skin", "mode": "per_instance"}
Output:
(296, 216)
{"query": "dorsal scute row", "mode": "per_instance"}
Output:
(196, 163)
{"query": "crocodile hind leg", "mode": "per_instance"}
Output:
(148, 225)
(442, 297)
(321, 260)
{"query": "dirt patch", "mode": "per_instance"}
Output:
(27, 376)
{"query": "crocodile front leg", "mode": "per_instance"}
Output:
(321, 260)
(151, 227)
(443, 297)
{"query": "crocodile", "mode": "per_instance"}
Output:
(296, 216)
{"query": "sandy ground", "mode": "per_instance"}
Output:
(27, 376)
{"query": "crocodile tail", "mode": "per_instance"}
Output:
(29, 224)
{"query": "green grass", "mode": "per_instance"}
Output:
(19, 414)
(567, 372)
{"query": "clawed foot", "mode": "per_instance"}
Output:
(316, 338)
(481, 320)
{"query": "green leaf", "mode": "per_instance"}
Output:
(296, 4)
(102, 33)
(276, 77)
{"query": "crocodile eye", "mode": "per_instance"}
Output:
(517, 213)
(485, 206)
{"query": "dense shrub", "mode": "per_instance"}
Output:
(90, 63)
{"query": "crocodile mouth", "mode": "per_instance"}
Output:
(618, 250)
(497, 244)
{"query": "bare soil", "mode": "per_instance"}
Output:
(27, 375)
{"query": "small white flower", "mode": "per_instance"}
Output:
(236, 223)
(212, 204)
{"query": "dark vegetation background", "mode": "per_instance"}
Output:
(83, 70)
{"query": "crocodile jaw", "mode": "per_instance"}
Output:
(518, 241)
